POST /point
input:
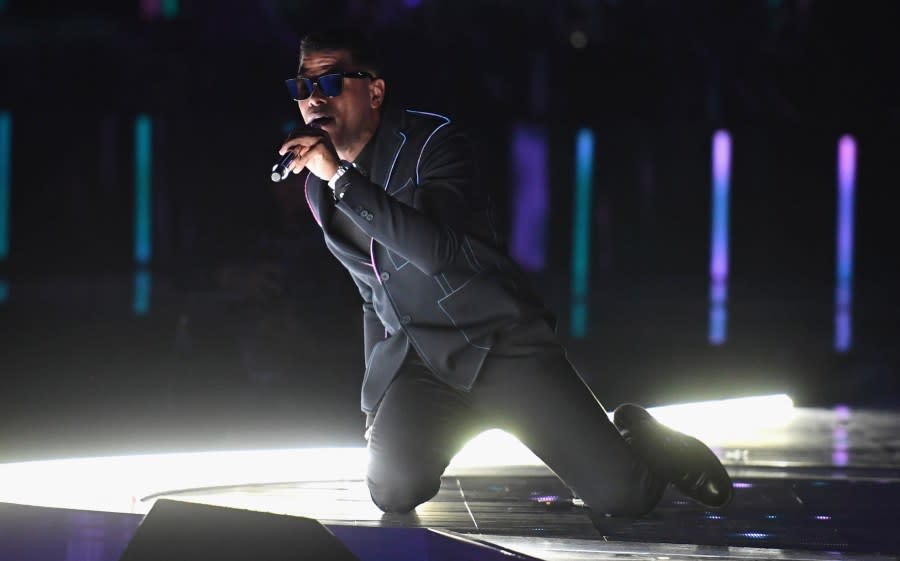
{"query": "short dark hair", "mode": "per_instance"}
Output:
(361, 47)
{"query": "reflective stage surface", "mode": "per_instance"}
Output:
(825, 484)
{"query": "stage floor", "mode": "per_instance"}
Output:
(819, 484)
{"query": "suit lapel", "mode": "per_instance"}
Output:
(389, 140)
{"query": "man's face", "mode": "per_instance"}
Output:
(345, 117)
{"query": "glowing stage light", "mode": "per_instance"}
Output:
(729, 420)
(843, 290)
(494, 448)
(718, 260)
(529, 219)
(170, 9)
(119, 483)
(5, 175)
(581, 230)
(143, 157)
(143, 211)
(143, 285)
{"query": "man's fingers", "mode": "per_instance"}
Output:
(306, 138)
(294, 143)
(300, 161)
(304, 153)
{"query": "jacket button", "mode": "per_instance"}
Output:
(405, 320)
(385, 276)
(370, 216)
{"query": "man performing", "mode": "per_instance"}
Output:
(455, 340)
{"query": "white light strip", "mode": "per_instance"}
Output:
(715, 422)
(118, 483)
(729, 420)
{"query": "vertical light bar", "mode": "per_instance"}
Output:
(5, 181)
(581, 231)
(5, 178)
(143, 155)
(530, 196)
(843, 292)
(143, 283)
(143, 230)
(840, 441)
(718, 259)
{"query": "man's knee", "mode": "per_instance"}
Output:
(401, 495)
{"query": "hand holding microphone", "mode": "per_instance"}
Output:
(311, 149)
(281, 169)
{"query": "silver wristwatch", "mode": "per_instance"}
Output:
(341, 170)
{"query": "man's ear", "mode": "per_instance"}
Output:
(376, 93)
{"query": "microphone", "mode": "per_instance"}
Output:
(280, 169)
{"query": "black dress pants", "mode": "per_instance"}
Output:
(528, 388)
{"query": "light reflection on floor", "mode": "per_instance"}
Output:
(826, 481)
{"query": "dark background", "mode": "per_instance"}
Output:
(253, 334)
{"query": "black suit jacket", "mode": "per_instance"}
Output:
(437, 275)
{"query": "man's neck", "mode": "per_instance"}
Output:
(349, 153)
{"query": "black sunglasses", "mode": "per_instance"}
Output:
(331, 85)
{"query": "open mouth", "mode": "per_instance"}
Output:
(320, 122)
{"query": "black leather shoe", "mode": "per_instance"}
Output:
(681, 459)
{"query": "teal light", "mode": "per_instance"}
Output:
(143, 282)
(4, 291)
(5, 173)
(581, 231)
(170, 9)
(143, 157)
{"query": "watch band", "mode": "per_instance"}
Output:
(341, 170)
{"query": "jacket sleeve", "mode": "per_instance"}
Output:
(428, 235)
(373, 329)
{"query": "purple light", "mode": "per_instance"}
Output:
(718, 261)
(823, 517)
(721, 162)
(742, 485)
(545, 499)
(754, 535)
(840, 441)
(840, 458)
(530, 196)
(846, 188)
(843, 293)
(151, 9)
